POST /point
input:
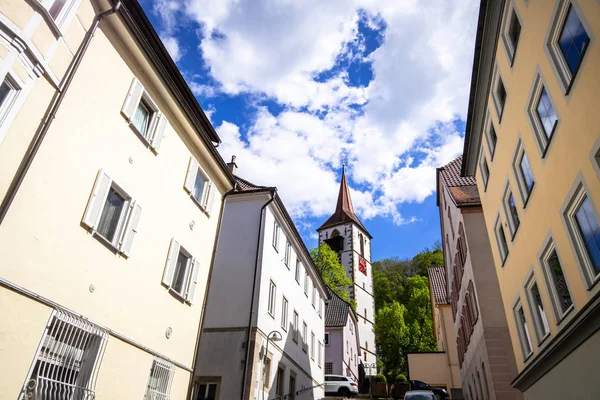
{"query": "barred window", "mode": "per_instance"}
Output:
(159, 382)
(328, 368)
(67, 361)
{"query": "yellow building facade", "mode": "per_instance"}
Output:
(533, 144)
(111, 192)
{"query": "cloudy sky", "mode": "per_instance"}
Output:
(296, 87)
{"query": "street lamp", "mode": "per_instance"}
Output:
(276, 337)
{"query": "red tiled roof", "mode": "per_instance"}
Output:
(462, 188)
(437, 278)
(244, 186)
(344, 211)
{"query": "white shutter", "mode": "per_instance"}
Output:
(96, 202)
(159, 132)
(211, 198)
(194, 281)
(131, 228)
(190, 178)
(133, 99)
(171, 262)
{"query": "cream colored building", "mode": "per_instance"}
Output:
(111, 192)
(533, 144)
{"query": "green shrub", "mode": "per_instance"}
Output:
(380, 378)
(400, 378)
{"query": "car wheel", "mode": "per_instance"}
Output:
(344, 392)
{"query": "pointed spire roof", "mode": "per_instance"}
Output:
(344, 211)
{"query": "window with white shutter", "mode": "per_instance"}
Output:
(112, 215)
(181, 272)
(160, 380)
(199, 186)
(9, 91)
(143, 116)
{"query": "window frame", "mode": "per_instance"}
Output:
(503, 252)
(284, 313)
(297, 272)
(295, 326)
(542, 138)
(326, 339)
(512, 224)
(488, 128)
(276, 235)
(484, 170)
(524, 190)
(565, 77)
(288, 254)
(522, 330)
(272, 299)
(546, 253)
(578, 194)
(209, 191)
(54, 340)
(192, 272)
(538, 325)
(166, 387)
(499, 106)
(10, 106)
(312, 345)
(65, 15)
(511, 48)
(304, 337)
(306, 280)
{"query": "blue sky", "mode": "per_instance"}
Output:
(295, 87)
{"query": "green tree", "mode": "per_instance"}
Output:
(426, 259)
(418, 305)
(332, 272)
(393, 337)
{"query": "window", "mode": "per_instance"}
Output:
(206, 391)
(328, 368)
(298, 268)
(511, 33)
(159, 382)
(304, 337)
(546, 114)
(112, 214)
(288, 254)
(267, 372)
(536, 306)
(523, 173)
(284, 313)
(498, 94)
(295, 327)
(314, 296)
(582, 221)
(485, 381)
(9, 90)
(279, 382)
(292, 388)
(312, 345)
(523, 330)
(510, 207)
(276, 232)
(556, 281)
(566, 43)
(351, 328)
(199, 186)
(361, 242)
(181, 272)
(67, 359)
(365, 316)
(306, 284)
(542, 114)
(485, 172)
(143, 116)
(326, 338)
(272, 299)
(320, 306)
(501, 240)
(490, 134)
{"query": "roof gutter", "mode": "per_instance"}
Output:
(53, 108)
(273, 192)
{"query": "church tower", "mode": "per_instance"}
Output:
(347, 236)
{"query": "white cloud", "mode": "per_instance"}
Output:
(172, 46)
(404, 128)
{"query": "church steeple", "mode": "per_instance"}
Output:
(344, 211)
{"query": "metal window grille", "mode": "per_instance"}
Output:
(328, 368)
(67, 360)
(159, 382)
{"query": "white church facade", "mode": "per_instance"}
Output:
(347, 236)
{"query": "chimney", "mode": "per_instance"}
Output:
(232, 165)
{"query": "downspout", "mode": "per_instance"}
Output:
(262, 211)
(57, 100)
(206, 293)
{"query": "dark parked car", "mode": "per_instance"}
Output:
(440, 394)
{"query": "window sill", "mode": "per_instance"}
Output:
(200, 206)
(565, 314)
(504, 260)
(528, 195)
(514, 233)
(178, 296)
(593, 281)
(543, 340)
(272, 316)
(107, 243)
(142, 138)
(275, 247)
(528, 357)
(548, 138)
(283, 328)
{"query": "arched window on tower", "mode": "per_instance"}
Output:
(336, 242)
(362, 244)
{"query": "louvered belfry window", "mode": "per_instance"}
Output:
(67, 360)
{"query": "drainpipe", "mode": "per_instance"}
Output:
(262, 212)
(57, 100)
